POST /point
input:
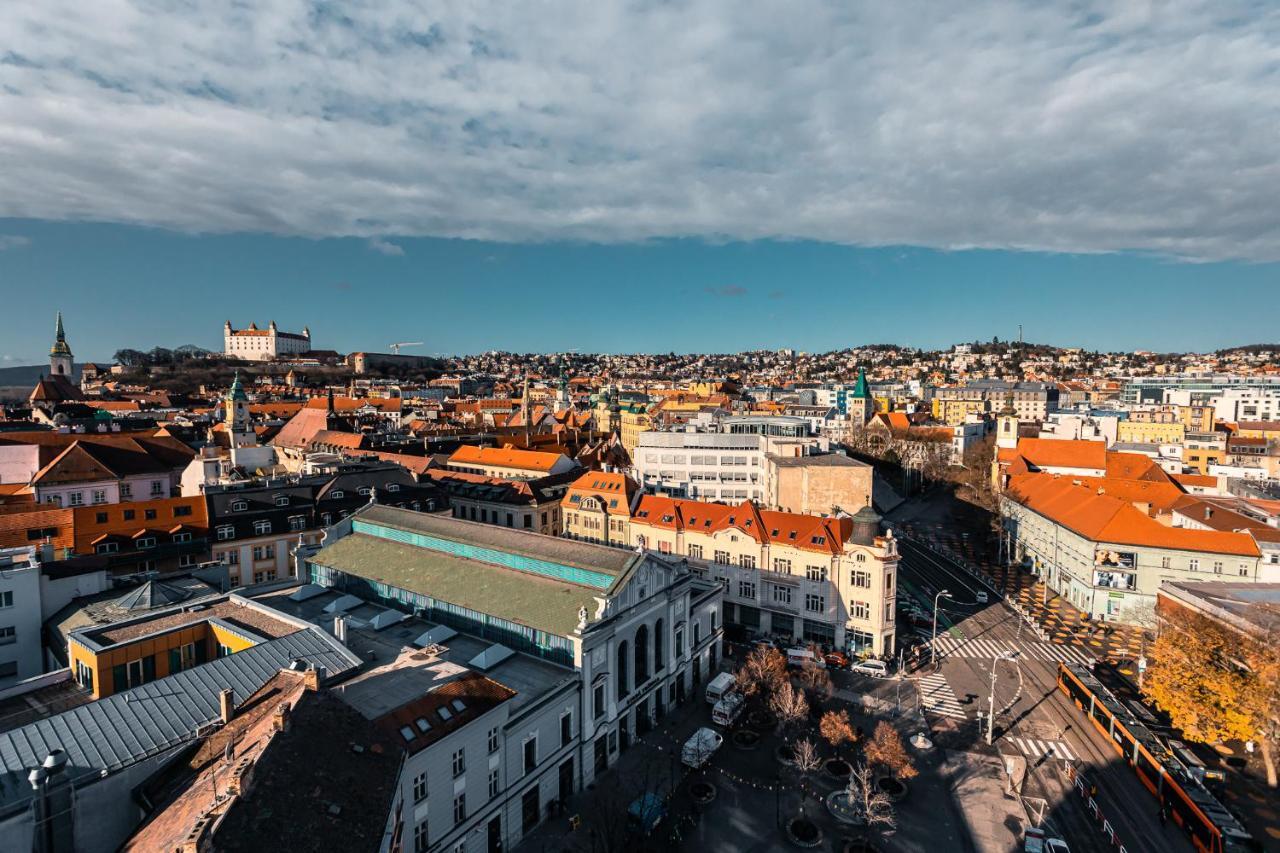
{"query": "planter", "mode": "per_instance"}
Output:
(761, 720)
(895, 789)
(857, 845)
(745, 739)
(803, 832)
(837, 769)
(702, 792)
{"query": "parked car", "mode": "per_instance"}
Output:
(836, 660)
(870, 666)
(646, 812)
(981, 596)
(697, 750)
(1034, 840)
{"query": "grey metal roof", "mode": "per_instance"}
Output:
(128, 727)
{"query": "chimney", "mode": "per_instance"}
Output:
(313, 678)
(340, 628)
(1208, 513)
(54, 809)
(226, 705)
(280, 719)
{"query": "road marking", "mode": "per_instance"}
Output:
(977, 647)
(1034, 748)
(937, 697)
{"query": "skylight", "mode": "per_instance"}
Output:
(423, 725)
(445, 714)
(458, 705)
(407, 733)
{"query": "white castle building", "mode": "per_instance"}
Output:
(254, 344)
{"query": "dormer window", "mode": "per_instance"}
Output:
(282, 500)
(819, 540)
(336, 494)
(393, 487)
(239, 506)
(364, 490)
(147, 542)
(182, 537)
(106, 548)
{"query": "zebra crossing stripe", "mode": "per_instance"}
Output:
(981, 648)
(937, 697)
(1033, 748)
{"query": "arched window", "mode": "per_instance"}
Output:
(659, 643)
(624, 686)
(642, 654)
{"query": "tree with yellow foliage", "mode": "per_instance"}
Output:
(1215, 684)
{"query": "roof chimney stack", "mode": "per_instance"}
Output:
(340, 628)
(226, 705)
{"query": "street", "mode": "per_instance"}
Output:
(1034, 719)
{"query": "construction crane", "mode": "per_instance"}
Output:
(395, 348)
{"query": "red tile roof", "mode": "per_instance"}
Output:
(1105, 518)
(808, 532)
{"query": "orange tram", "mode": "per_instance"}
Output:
(1211, 827)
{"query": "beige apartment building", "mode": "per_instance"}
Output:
(804, 577)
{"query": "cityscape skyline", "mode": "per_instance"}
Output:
(740, 296)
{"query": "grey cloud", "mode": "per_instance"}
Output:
(1087, 127)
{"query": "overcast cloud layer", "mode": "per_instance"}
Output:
(1056, 126)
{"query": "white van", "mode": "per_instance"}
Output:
(727, 710)
(719, 686)
(800, 657)
(698, 749)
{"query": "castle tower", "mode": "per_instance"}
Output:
(1007, 425)
(60, 358)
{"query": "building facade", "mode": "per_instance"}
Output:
(806, 578)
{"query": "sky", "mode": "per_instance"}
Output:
(646, 176)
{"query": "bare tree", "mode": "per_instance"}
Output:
(788, 705)
(816, 681)
(807, 761)
(761, 673)
(871, 804)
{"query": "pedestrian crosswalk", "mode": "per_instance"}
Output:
(1036, 749)
(936, 697)
(979, 647)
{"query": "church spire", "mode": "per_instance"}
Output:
(60, 358)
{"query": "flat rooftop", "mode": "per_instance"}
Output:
(528, 676)
(568, 552)
(231, 612)
(41, 703)
(519, 597)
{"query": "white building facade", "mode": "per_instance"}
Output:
(254, 344)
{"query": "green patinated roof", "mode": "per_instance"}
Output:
(860, 387)
(519, 597)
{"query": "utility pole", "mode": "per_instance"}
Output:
(991, 699)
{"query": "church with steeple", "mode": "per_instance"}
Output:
(58, 386)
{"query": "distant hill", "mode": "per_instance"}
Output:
(1250, 348)
(26, 375)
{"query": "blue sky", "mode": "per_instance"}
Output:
(125, 286)
(640, 176)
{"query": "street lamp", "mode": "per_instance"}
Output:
(991, 700)
(933, 640)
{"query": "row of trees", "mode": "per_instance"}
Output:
(1217, 685)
